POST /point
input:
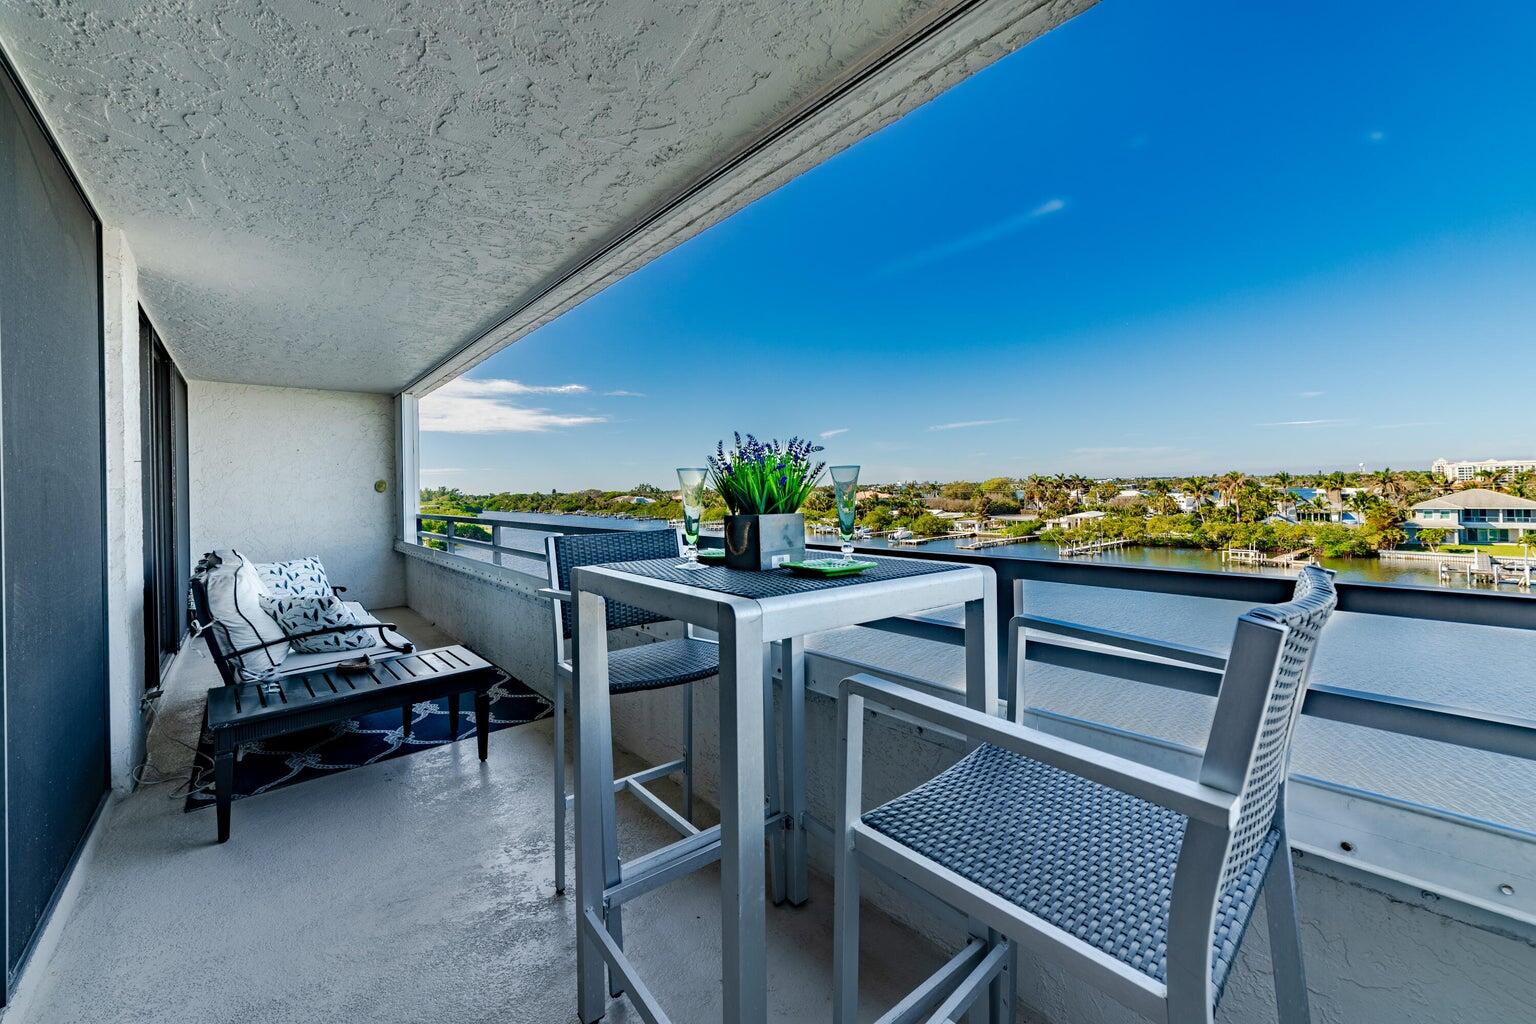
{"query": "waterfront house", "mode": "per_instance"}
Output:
(1476, 516)
(1188, 503)
(1315, 505)
(240, 242)
(1073, 519)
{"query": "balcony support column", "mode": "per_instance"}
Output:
(407, 464)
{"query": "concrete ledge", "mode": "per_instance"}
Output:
(496, 575)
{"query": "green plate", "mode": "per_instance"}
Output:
(711, 554)
(827, 567)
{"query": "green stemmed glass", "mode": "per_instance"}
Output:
(845, 488)
(691, 484)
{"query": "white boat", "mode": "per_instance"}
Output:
(901, 535)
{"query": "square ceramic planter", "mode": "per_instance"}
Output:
(763, 542)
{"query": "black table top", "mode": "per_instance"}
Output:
(778, 582)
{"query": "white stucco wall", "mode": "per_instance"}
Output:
(125, 509)
(1370, 958)
(495, 611)
(285, 472)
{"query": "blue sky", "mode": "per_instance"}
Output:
(1165, 238)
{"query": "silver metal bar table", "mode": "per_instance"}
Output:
(749, 611)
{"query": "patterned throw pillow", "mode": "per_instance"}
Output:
(297, 577)
(302, 613)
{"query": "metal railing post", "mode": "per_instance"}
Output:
(448, 535)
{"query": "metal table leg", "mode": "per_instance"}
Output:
(773, 783)
(980, 663)
(981, 695)
(594, 786)
(792, 672)
(743, 928)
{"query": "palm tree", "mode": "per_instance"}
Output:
(1231, 486)
(1283, 480)
(1333, 484)
(1390, 483)
(1363, 501)
(1198, 488)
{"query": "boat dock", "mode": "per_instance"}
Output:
(917, 541)
(1485, 568)
(989, 541)
(1253, 556)
(1092, 547)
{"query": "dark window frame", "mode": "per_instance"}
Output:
(164, 468)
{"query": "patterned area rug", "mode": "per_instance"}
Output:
(286, 760)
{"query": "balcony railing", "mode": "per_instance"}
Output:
(1059, 643)
(1466, 727)
(501, 538)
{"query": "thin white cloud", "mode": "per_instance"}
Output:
(1307, 423)
(484, 387)
(1376, 135)
(832, 433)
(1310, 394)
(963, 424)
(982, 236)
(467, 406)
(621, 393)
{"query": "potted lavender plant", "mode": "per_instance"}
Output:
(763, 486)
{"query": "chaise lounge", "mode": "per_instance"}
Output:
(293, 656)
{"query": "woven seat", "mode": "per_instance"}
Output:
(1090, 860)
(664, 663)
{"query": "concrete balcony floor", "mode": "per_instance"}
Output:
(418, 889)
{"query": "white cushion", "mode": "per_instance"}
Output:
(234, 600)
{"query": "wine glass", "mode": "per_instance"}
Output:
(845, 487)
(691, 483)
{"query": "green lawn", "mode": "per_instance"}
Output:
(1504, 550)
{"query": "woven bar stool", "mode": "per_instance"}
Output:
(677, 662)
(1139, 881)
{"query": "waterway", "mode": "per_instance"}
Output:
(1363, 570)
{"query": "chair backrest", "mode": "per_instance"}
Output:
(1262, 689)
(571, 551)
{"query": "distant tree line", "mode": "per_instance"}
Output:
(1233, 509)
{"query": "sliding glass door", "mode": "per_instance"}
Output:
(53, 657)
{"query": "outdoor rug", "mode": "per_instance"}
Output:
(328, 749)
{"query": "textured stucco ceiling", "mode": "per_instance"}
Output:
(341, 194)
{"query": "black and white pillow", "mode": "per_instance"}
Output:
(306, 612)
(297, 577)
